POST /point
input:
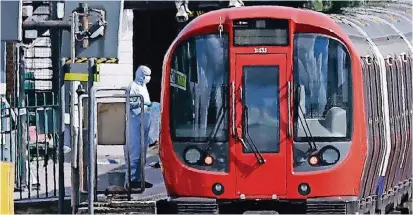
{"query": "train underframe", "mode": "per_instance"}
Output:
(267, 206)
(397, 202)
(394, 204)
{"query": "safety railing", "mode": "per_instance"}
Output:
(29, 139)
(100, 96)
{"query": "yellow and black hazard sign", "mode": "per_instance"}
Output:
(110, 60)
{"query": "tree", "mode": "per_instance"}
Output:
(332, 6)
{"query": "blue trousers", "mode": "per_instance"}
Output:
(135, 143)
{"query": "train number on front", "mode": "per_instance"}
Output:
(260, 50)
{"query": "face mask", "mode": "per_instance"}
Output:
(147, 79)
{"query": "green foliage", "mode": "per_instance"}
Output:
(332, 6)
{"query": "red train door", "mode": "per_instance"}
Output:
(262, 82)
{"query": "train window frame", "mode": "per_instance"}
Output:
(349, 112)
(226, 122)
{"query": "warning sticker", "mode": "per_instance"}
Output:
(178, 79)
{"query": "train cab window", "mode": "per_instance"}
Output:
(198, 86)
(322, 89)
(262, 112)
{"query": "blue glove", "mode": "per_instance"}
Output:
(149, 104)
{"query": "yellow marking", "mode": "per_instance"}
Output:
(181, 80)
(101, 60)
(98, 60)
(375, 19)
(97, 68)
(6, 188)
(196, 13)
(112, 60)
(72, 76)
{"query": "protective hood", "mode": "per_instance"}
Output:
(142, 75)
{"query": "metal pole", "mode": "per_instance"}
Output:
(62, 71)
(73, 120)
(91, 80)
(143, 145)
(22, 120)
(85, 21)
(91, 141)
(72, 84)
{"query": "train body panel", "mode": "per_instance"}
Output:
(318, 97)
(389, 35)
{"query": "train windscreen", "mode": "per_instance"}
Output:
(198, 89)
(322, 77)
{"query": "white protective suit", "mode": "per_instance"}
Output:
(138, 87)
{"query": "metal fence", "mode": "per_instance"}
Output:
(29, 116)
(29, 138)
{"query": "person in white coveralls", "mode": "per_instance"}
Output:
(138, 87)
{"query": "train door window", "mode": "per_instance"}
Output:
(263, 110)
(322, 85)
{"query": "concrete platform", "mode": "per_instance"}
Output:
(109, 158)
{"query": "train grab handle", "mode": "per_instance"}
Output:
(233, 108)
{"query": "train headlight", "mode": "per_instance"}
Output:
(329, 155)
(304, 189)
(313, 160)
(208, 160)
(192, 155)
(217, 189)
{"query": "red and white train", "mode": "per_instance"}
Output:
(267, 106)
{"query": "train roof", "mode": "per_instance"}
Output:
(299, 16)
(387, 25)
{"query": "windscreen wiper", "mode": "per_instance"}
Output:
(249, 140)
(220, 118)
(312, 145)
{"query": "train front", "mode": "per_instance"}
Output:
(260, 110)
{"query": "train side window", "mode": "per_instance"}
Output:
(322, 79)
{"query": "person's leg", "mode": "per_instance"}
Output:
(135, 154)
(147, 142)
(134, 150)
